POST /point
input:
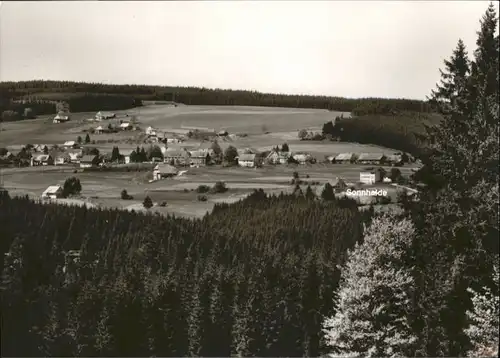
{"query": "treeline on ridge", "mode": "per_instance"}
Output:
(252, 278)
(61, 90)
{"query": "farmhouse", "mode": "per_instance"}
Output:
(177, 157)
(223, 133)
(105, 115)
(150, 131)
(303, 158)
(70, 144)
(7, 156)
(126, 153)
(89, 161)
(40, 148)
(371, 177)
(173, 140)
(42, 159)
(53, 192)
(338, 185)
(277, 157)
(395, 159)
(74, 157)
(99, 130)
(160, 137)
(61, 117)
(163, 170)
(331, 158)
(198, 157)
(247, 160)
(125, 126)
(371, 158)
(345, 158)
(61, 158)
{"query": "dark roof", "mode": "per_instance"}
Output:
(166, 168)
(244, 157)
(371, 156)
(176, 153)
(88, 158)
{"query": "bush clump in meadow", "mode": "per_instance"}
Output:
(125, 195)
(203, 189)
(219, 187)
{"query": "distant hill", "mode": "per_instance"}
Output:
(61, 90)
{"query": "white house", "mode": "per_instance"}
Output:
(61, 117)
(69, 143)
(52, 192)
(371, 177)
(150, 131)
(126, 155)
(42, 159)
(247, 160)
(104, 115)
(303, 158)
(278, 157)
(99, 130)
(74, 157)
(125, 126)
(163, 170)
(61, 158)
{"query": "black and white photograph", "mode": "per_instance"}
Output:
(249, 178)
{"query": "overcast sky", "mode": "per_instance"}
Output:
(348, 49)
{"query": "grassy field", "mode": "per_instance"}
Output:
(104, 188)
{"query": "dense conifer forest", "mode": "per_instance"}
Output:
(251, 278)
(84, 97)
(403, 131)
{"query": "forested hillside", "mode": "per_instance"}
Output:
(251, 279)
(33, 91)
(403, 131)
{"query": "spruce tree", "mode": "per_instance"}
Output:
(450, 92)
(374, 295)
(87, 139)
(328, 194)
(148, 203)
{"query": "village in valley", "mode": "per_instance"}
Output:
(140, 160)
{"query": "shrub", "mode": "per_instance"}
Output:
(202, 198)
(203, 189)
(148, 203)
(71, 186)
(219, 187)
(125, 195)
(163, 204)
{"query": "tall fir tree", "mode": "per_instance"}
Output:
(457, 219)
(450, 92)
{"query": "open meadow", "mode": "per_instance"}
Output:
(264, 129)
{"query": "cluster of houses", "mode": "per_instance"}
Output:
(366, 158)
(155, 135)
(123, 126)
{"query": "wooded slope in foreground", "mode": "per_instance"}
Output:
(252, 278)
